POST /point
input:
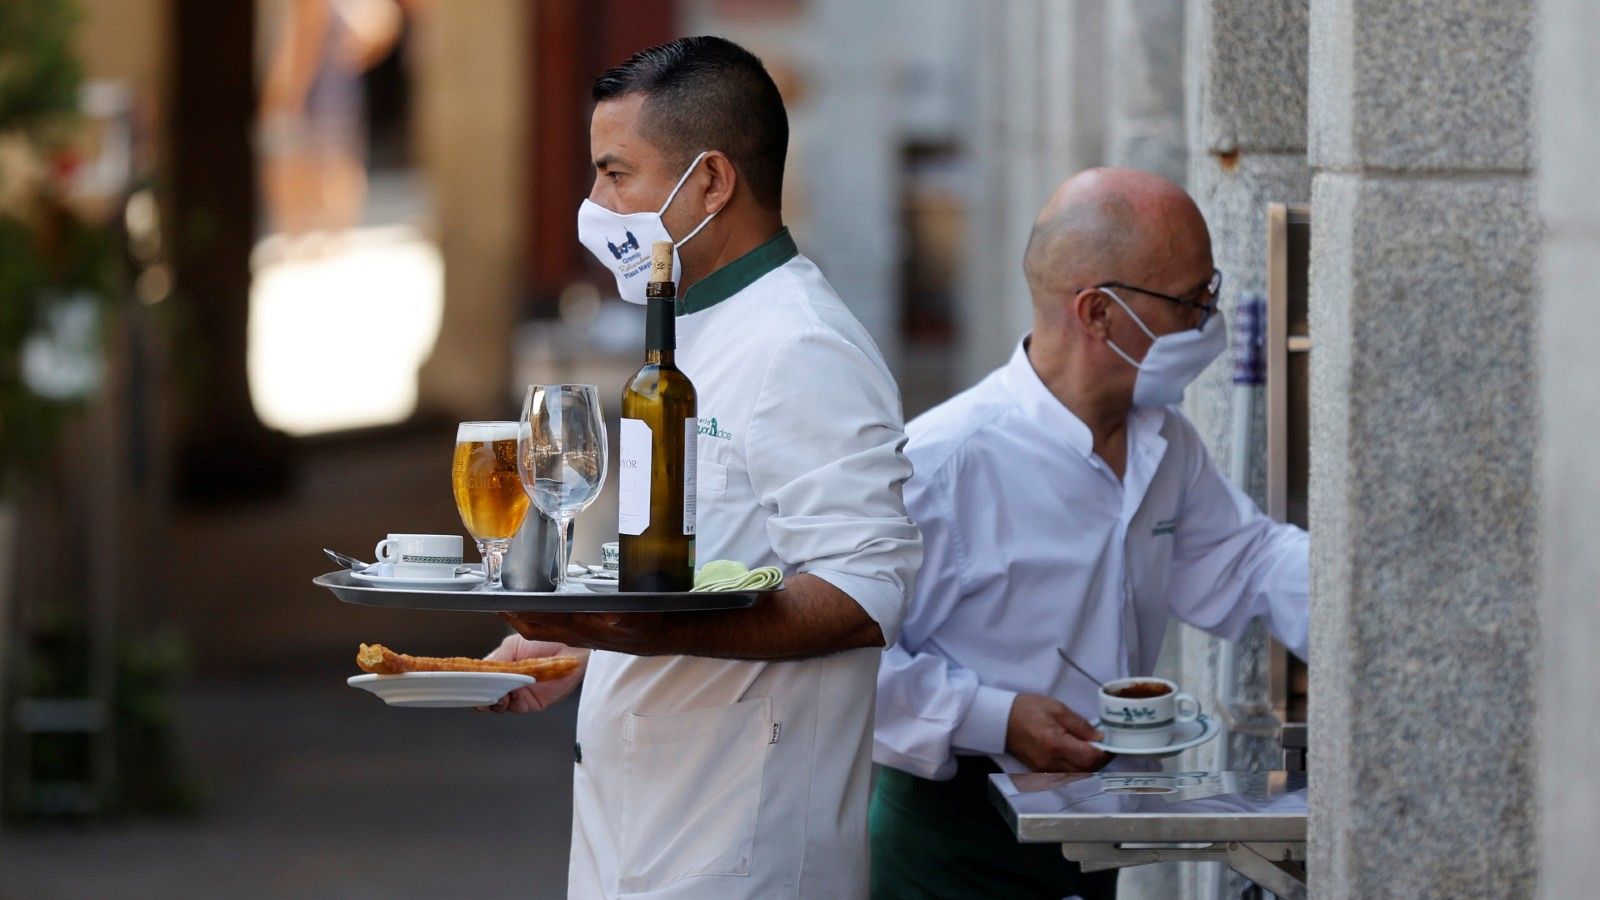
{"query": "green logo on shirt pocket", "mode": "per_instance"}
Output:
(1165, 526)
(710, 428)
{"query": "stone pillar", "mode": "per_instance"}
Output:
(1424, 506)
(1569, 82)
(1246, 77)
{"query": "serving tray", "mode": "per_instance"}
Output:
(350, 590)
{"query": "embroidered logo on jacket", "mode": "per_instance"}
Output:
(709, 428)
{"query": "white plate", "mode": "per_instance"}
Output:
(594, 583)
(441, 689)
(1184, 736)
(382, 575)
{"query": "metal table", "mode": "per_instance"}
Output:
(1253, 821)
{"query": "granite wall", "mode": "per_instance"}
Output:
(1246, 84)
(1246, 109)
(1424, 447)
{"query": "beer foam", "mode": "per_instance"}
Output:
(486, 431)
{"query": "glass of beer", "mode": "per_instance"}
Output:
(488, 489)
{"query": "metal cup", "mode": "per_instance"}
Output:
(531, 562)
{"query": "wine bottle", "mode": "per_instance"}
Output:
(656, 466)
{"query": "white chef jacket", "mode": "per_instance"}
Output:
(1032, 544)
(712, 778)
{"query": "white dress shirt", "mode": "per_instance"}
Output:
(1032, 543)
(715, 778)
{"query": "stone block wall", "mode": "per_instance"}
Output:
(1424, 452)
(1246, 106)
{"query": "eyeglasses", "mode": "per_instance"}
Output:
(1207, 306)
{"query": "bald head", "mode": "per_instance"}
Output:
(1113, 225)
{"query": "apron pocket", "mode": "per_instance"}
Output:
(711, 477)
(692, 788)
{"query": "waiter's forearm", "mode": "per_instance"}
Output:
(809, 617)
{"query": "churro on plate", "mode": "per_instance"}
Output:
(380, 660)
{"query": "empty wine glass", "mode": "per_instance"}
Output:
(561, 455)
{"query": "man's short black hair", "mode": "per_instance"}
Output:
(708, 93)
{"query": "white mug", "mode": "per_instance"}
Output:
(420, 555)
(1144, 722)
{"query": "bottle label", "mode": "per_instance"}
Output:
(691, 454)
(633, 478)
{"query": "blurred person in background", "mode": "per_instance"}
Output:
(728, 754)
(1065, 503)
(312, 136)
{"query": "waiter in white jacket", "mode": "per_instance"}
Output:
(729, 754)
(1065, 503)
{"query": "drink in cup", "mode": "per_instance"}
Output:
(1140, 713)
(488, 489)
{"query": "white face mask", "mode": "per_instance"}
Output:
(623, 242)
(1173, 360)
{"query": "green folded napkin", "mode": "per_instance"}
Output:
(728, 575)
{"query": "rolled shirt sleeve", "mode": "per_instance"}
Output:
(928, 705)
(825, 451)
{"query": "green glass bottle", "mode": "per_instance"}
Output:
(656, 465)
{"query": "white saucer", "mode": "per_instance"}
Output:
(595, 583)
(381, 575)
(441, 689)
(1184, 736)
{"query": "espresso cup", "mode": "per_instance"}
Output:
(1143, 722)
(611, 556)
(420, 555)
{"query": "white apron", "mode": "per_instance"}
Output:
(711, 778)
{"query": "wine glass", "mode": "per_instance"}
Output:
(561, 455)
(488, 489)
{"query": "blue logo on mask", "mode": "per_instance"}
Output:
(630, 244)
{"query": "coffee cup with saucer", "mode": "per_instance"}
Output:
(419, 562)
(420, 555)
(1141, 713)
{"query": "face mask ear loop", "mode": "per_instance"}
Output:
(1118, 351)
(679, 186)
(1136, 320)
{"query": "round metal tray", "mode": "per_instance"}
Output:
(349, 590)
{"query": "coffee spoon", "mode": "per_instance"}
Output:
(349, 562)
(1080, 669)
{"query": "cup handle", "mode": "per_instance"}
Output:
(1187, 701)
(379, 552)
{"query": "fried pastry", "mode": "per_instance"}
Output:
(380, 660)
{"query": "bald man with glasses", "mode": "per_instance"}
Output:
(1066, 504)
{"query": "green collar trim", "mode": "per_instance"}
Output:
(739, 274)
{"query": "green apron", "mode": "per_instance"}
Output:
(946, 839)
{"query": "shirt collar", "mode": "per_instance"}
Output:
(739, 274)
(1041, 406)
(1035, 400)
